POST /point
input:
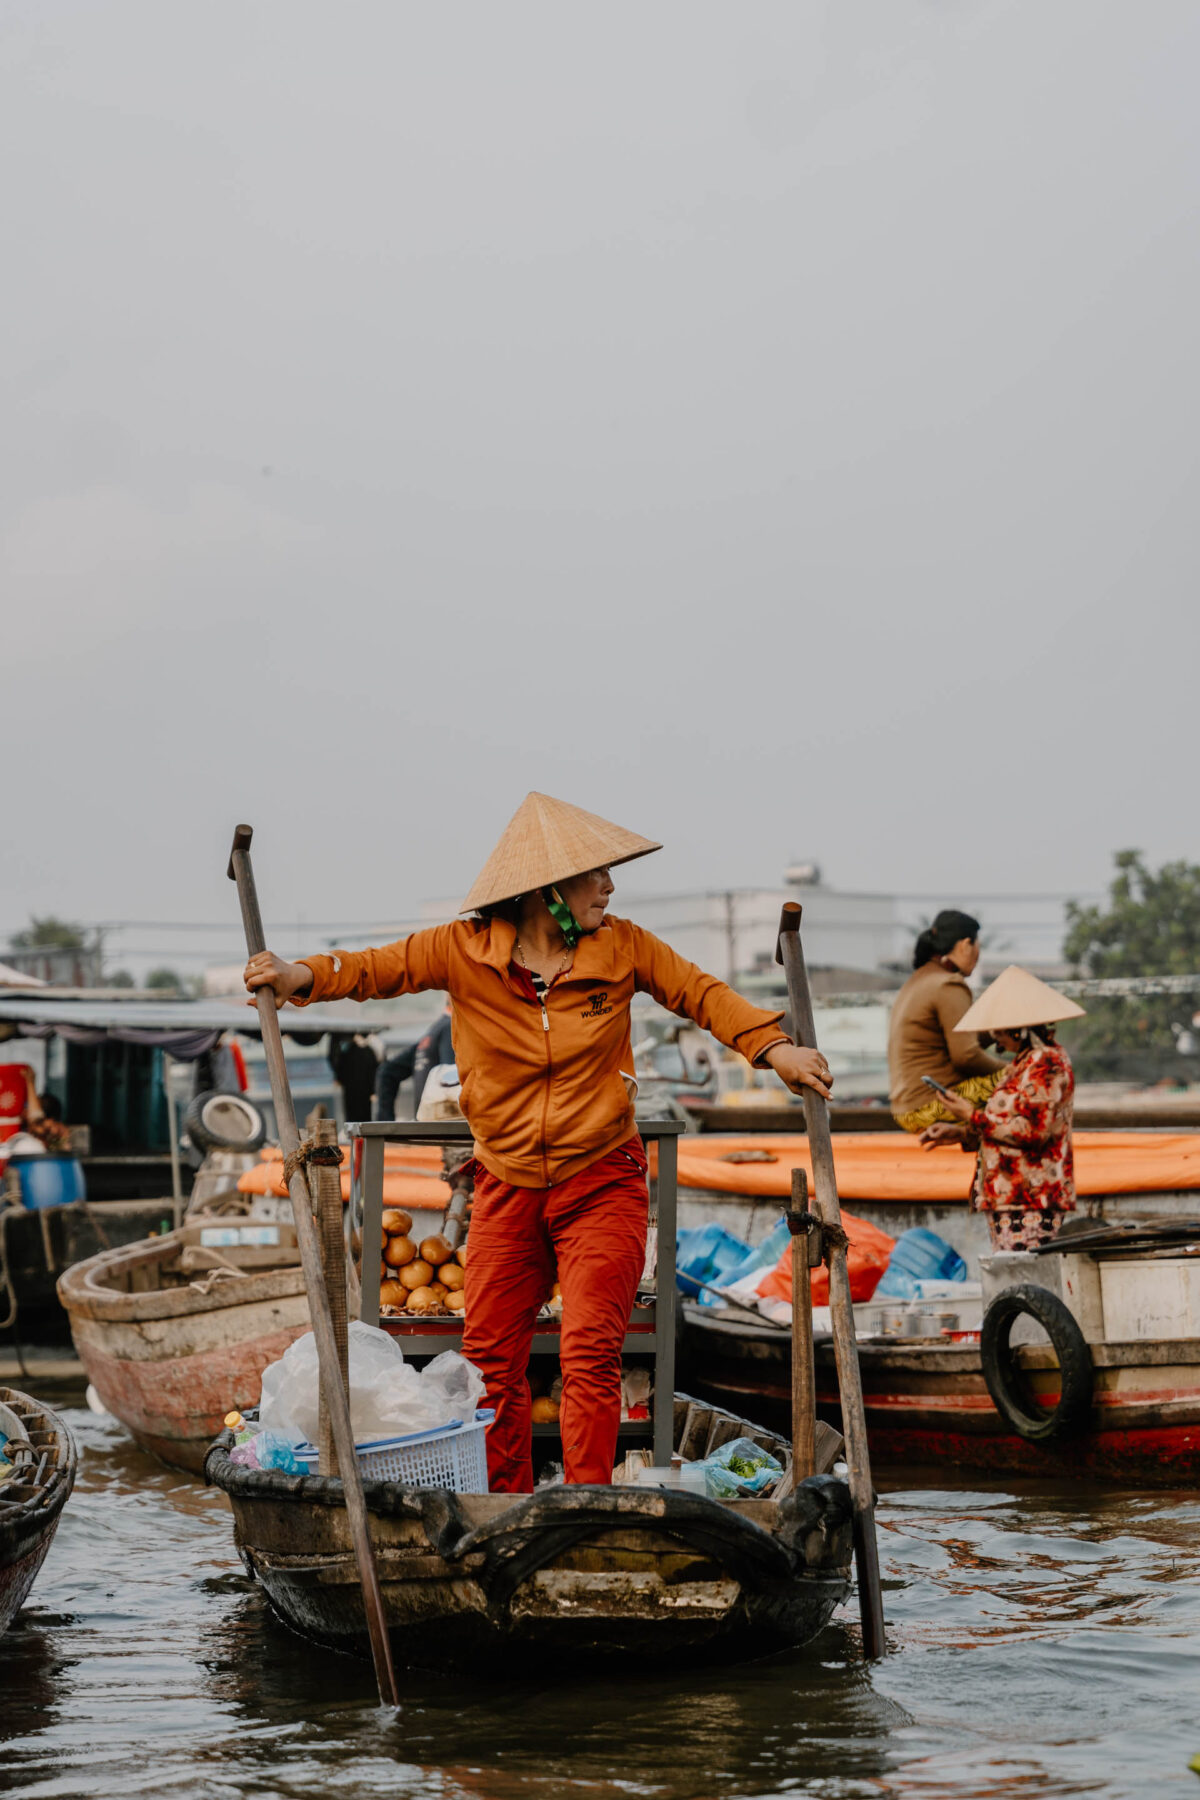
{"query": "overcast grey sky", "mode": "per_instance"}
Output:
(772, 426)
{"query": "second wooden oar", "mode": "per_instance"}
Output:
(804, 1392)
(333, 1391)
(841, 1306)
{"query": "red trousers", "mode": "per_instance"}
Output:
(593, 1228)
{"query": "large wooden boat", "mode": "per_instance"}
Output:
(480, 1583)
(173, 1334)
(31, 1500)
(927, 1402)
(1124, 1310)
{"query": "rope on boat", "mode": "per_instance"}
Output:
(308, 1152)
(833, 1237)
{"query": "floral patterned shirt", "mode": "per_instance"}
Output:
(1023, 1135)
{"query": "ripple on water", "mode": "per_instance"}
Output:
(1043, 1644)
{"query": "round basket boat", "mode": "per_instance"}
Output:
(42, 1452)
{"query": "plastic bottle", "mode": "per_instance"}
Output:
(241, 1428)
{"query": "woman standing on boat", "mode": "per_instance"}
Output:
(540, 982)
(1025, 1178)
(925, 1032)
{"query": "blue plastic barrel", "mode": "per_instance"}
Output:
(49, 1180)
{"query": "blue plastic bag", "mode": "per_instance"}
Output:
(765, 1257)
(706, 1253)
(725, 1483)
(919, 1255)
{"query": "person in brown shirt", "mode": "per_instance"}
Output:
(923, 1033)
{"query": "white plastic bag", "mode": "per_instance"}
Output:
(454, 1386)
(388, 1398)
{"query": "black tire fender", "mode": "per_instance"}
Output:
(999, 1362)
(235, 1125)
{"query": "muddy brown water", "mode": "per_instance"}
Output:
(1045, 1641)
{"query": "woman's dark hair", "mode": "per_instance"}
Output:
(947, 930)
(501, 909)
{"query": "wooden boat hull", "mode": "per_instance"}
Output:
(482, 1584)
(28, 1525)
(928, 1403)
(171, 1363)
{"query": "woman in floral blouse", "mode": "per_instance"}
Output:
(1025, 1177)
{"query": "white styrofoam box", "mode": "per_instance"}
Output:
(214, 1236)
(1150, 1298)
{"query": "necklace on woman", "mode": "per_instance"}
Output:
(562, 968)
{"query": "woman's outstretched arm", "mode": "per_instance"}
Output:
(405, 967)
(684, 988)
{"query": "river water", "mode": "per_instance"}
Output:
(1046, 1641)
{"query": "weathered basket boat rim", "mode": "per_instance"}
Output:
(755, 1539)
(390, 1499)
(85, 1289)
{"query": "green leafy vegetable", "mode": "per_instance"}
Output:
(747, 1466)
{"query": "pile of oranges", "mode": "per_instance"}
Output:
(419, 1278)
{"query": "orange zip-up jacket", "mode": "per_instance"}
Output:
(544, 1087)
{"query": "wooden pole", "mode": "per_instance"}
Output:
(804, 1388)
(333, 1389)
(854, 1419)
(173, 1135)
(325, 1182)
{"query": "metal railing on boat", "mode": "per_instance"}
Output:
(651, 1332)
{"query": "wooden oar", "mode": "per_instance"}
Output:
(854, 1420)
(333, 1391)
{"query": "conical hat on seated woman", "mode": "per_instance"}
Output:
(1015, 1000)
(547, 841)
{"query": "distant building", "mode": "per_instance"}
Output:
(733, 932)
(59, 968)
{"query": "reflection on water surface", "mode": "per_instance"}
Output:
(1044, 1644)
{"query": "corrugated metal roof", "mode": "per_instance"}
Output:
(39, 1008)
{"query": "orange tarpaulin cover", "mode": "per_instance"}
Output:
(404, 1184)
(867, 1258)
(891, 1165)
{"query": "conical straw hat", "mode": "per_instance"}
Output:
(1015, 999)
(547, 841)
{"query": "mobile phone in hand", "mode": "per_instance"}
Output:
(937, 1087)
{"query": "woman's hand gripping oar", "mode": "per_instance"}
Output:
(854, 1421)
(333, 1392)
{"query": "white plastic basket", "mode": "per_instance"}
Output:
(451, 1456)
